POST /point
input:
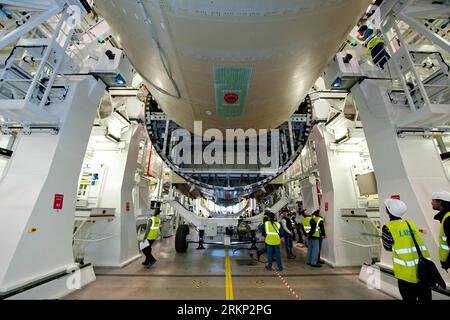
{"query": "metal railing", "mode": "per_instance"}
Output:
(31, 71)
(422, 75)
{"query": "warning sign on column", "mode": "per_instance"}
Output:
(58, 201)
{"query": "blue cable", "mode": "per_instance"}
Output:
(445, 24)
(5, 12)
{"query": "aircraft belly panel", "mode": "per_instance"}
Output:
(285, 44)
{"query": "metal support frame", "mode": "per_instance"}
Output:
(34, 94)
(79, 106)
(239, 181)
(426, 133)
(433, 37)
(6, 128)
(40, 15)
(407, 55)
(426, 98)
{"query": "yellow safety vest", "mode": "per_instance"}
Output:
(306, 222)
(272, 233)
(404, 253)
(443, 245)
(318, 219)
(154, 229)
(373, 42)
(293, 221)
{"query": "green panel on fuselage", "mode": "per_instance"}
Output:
(231, 81)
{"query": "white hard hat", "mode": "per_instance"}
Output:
(396, 207)
(441, 195)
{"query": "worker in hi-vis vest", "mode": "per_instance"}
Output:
(272, 230)
(321, 225)
(151, 233)
(375, 46)
(288, 228)
(292, 217)
(299, 226)
(311, 231)
(441, 202)
(264, 218)
(397, 238)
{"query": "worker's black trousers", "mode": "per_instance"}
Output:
(299, 234)
(414, 291)
(149, 258)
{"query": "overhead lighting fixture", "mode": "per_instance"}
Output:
(337, 83)
(119, 80)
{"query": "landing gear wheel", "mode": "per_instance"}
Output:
(181, 243)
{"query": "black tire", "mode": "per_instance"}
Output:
(181, 243)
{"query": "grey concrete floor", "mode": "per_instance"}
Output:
(200, 274)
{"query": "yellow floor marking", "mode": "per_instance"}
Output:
(228, 280)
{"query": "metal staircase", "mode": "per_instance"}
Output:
(30, 80)
(419, 61)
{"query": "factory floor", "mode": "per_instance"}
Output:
(210, 274)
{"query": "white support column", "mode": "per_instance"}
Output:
(36, 238)
(122, 248)
(410, 167)
(309, 194)
(338, 191)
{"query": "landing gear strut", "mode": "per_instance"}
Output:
(201, 234)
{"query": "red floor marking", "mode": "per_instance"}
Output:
(288, 286)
